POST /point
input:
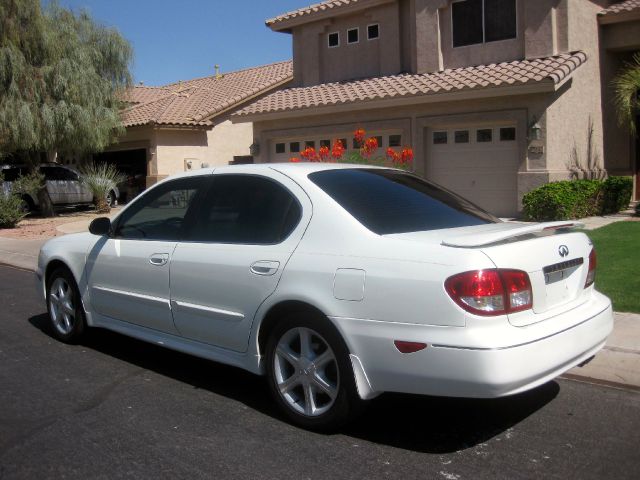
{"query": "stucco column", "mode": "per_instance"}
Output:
(428, 55)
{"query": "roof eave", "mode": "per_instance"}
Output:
(620, 17)
(286, 26)
(544, 86)
(162, 125)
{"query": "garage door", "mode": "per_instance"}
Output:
(478, 162)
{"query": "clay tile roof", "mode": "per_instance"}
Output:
(144, 94)
(195, 102)
(549, 69)
(621, 7)
(329, 5)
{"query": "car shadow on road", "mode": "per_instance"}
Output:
(443, 424)
(419, 423)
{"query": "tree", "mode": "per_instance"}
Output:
(61, 75)
(627, 87)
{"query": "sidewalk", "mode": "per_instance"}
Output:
(618, 364)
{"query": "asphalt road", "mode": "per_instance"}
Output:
(119, 408)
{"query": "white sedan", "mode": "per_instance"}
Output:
(339, 282)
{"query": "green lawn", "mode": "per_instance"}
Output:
(618, 271)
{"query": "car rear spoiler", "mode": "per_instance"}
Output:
(507, 232)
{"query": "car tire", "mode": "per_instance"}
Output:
(111, 198)
(310, 374)
(64, 306)
(26, 205)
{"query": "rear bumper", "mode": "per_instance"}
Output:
(447, 369)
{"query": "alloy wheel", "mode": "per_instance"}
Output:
(61, 306)
(306, 372)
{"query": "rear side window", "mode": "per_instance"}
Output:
(388, 201)
(246, 209)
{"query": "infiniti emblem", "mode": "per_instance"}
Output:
(563, 250)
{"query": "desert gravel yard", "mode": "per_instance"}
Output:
(34, 227)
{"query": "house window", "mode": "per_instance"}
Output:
(395, 140)
(353, 35)
(484, 135)
(294, 147)
(309, 144)
(344, 143)
(479, 21)
(379, 139)
(440, 138)
(461, 136)
(507, 134)
(373, 31)
(333, 40)
(325, 143)
(280, 147)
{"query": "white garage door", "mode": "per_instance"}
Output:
(480, 163)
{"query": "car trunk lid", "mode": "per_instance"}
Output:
(555, 258)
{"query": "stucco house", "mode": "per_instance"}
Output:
(185, 125)
(496, 96)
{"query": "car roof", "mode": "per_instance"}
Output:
(301, 169)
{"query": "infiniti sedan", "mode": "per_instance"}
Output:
(337, 282)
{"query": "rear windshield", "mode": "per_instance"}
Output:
(388, 201)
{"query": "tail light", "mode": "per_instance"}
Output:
(591, 275)
(491, 292)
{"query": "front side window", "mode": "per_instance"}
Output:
(68, 175)
(388, 201)
(479, 21)
(52, 173)
(246, 209)
(161, 213)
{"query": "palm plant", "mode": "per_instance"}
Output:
(626, 86)
(100, 179)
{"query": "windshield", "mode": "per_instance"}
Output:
(389, 201)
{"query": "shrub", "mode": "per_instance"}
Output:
(616, 194)
(577, 199)
(563, 200)
(100, 178)
(11, 211)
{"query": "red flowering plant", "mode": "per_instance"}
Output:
(366, 153)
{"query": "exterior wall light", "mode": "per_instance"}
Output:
(254, 149)
(535, 131)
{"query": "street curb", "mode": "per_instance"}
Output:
(597, 381)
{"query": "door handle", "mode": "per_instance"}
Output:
(159, 259)
(265, 267)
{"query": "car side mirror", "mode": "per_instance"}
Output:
(100, 226)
